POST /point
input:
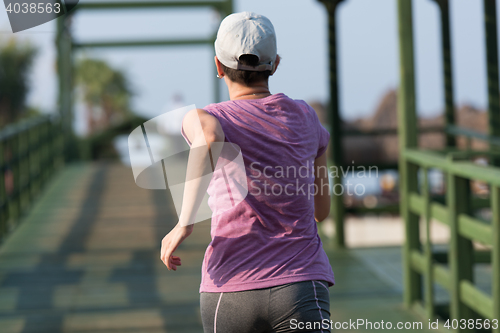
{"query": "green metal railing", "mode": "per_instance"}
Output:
(470, 134)
(457, 213)
(30, 152)
(453, 270)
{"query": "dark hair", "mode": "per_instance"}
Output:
(246, 77)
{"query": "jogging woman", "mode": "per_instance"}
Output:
(265, 269)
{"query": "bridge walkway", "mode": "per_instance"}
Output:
(86, 259)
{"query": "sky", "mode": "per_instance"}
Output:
(367, 42)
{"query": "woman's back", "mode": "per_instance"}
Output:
(271, 236)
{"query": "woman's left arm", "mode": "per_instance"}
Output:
(322, 197)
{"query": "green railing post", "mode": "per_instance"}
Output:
(44, 172)
(4, 208)
(495, 253)
(38, 145)
(490, 21)
(407, 134)
(428, 280)
(27, 183)
(460, 255)
(47, 166)
(16, 205)
(335, 125)
(447, 69)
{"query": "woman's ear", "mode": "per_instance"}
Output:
(276, 64)
(220, 71)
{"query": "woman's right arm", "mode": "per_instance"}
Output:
(322, 197)
(202, 130)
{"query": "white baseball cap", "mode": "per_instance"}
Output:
(246, 33)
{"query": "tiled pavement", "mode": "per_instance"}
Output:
(86, 259)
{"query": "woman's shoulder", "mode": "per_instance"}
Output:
(285, 98)
(217, 108)
(303, 105)
(278, 100)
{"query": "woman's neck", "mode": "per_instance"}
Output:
(238, 91)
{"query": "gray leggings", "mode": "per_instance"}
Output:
(294, 307)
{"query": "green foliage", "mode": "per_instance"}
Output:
(32, 111)
(16, 60)
(106, 93)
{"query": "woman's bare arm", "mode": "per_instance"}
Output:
(322, 198)
(202, 130)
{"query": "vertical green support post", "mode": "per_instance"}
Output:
(490, 21)
(217, 90)
(428, 281)
(228, 8)
(495, 253)
(407, 135)
(224, 9)
(460, 256)
(65, 75)
(217, 97)
(447, 69)
(335, 124)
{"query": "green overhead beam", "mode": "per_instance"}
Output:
(142, 43)
(223, 7)
(149, 4)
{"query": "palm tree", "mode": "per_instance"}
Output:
(15, 63)
(106, 93)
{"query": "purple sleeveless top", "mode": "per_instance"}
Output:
(270, 238)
